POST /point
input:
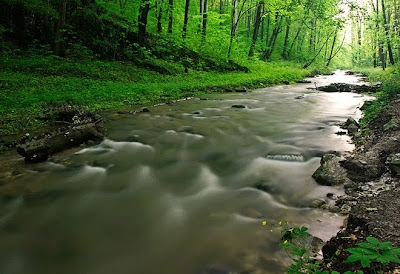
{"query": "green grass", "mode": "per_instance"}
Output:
(390, 79)
(30, 88)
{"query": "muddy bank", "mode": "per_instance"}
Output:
(371, 185)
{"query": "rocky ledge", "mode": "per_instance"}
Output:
(371, 177)
(341, 87)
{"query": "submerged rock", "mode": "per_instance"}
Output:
(330, 172)
(317, 203)
(239, 106)
(303, 82)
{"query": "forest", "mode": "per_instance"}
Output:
(86, 43)
(199, 136)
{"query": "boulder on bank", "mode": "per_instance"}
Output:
(330, 172)
(351, 125)
(364, 167)
(81, 127)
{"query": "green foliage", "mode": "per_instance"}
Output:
(390, 80)
(294, 242)
(373, 251)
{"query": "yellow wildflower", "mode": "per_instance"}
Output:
(291, 230)
(280, 223)
(271, 230)
(285, 242)
(264, 223)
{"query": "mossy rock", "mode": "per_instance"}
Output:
(330, 172)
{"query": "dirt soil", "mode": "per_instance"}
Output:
(374, 168)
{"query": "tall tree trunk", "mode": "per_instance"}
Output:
(332, 48)
(205, 18)
(171, 16)
(316, 55)
(185, 19)
(221, 11)
(142, 21)
(295, 38)
(386, 27)
(286, 42)
(262, 26)
(159, 17)
(59, 45)
(257, 22)
(272, 41)
(267, 32)
(235, 16)
(380, 43)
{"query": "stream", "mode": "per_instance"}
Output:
(174, 190)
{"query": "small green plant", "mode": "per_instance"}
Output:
(373, 251)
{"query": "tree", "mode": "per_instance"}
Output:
(387, 36)
(59, 43)
(257, 22)
(185, 19)
(171, 15)
(142, 21)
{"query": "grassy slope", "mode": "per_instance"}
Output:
(390, 79)
(30, 88)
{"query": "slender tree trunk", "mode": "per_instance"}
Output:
(159, 17)
(59, 48)
(272, 41)
(257, 22)
(316, 55)
(221, 10)
(386, 27)
(262, 26)
(286, 42)
(295, 39)
(332, 48)
(205, 15)
(185, 19)
(142, 21)
(171, 16)
(235, 17)
(267, 32)
(380, 43)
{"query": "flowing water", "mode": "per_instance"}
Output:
(173, 191)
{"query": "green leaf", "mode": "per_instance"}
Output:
(384, 245)
(394, 251)
(383, 260)
(353, 258)
(394, 259)
(373, 240)
(359, 250)
(368, 245)
(365, 262)
(335, 272)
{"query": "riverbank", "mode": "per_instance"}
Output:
(34, 89)
(372, 183)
